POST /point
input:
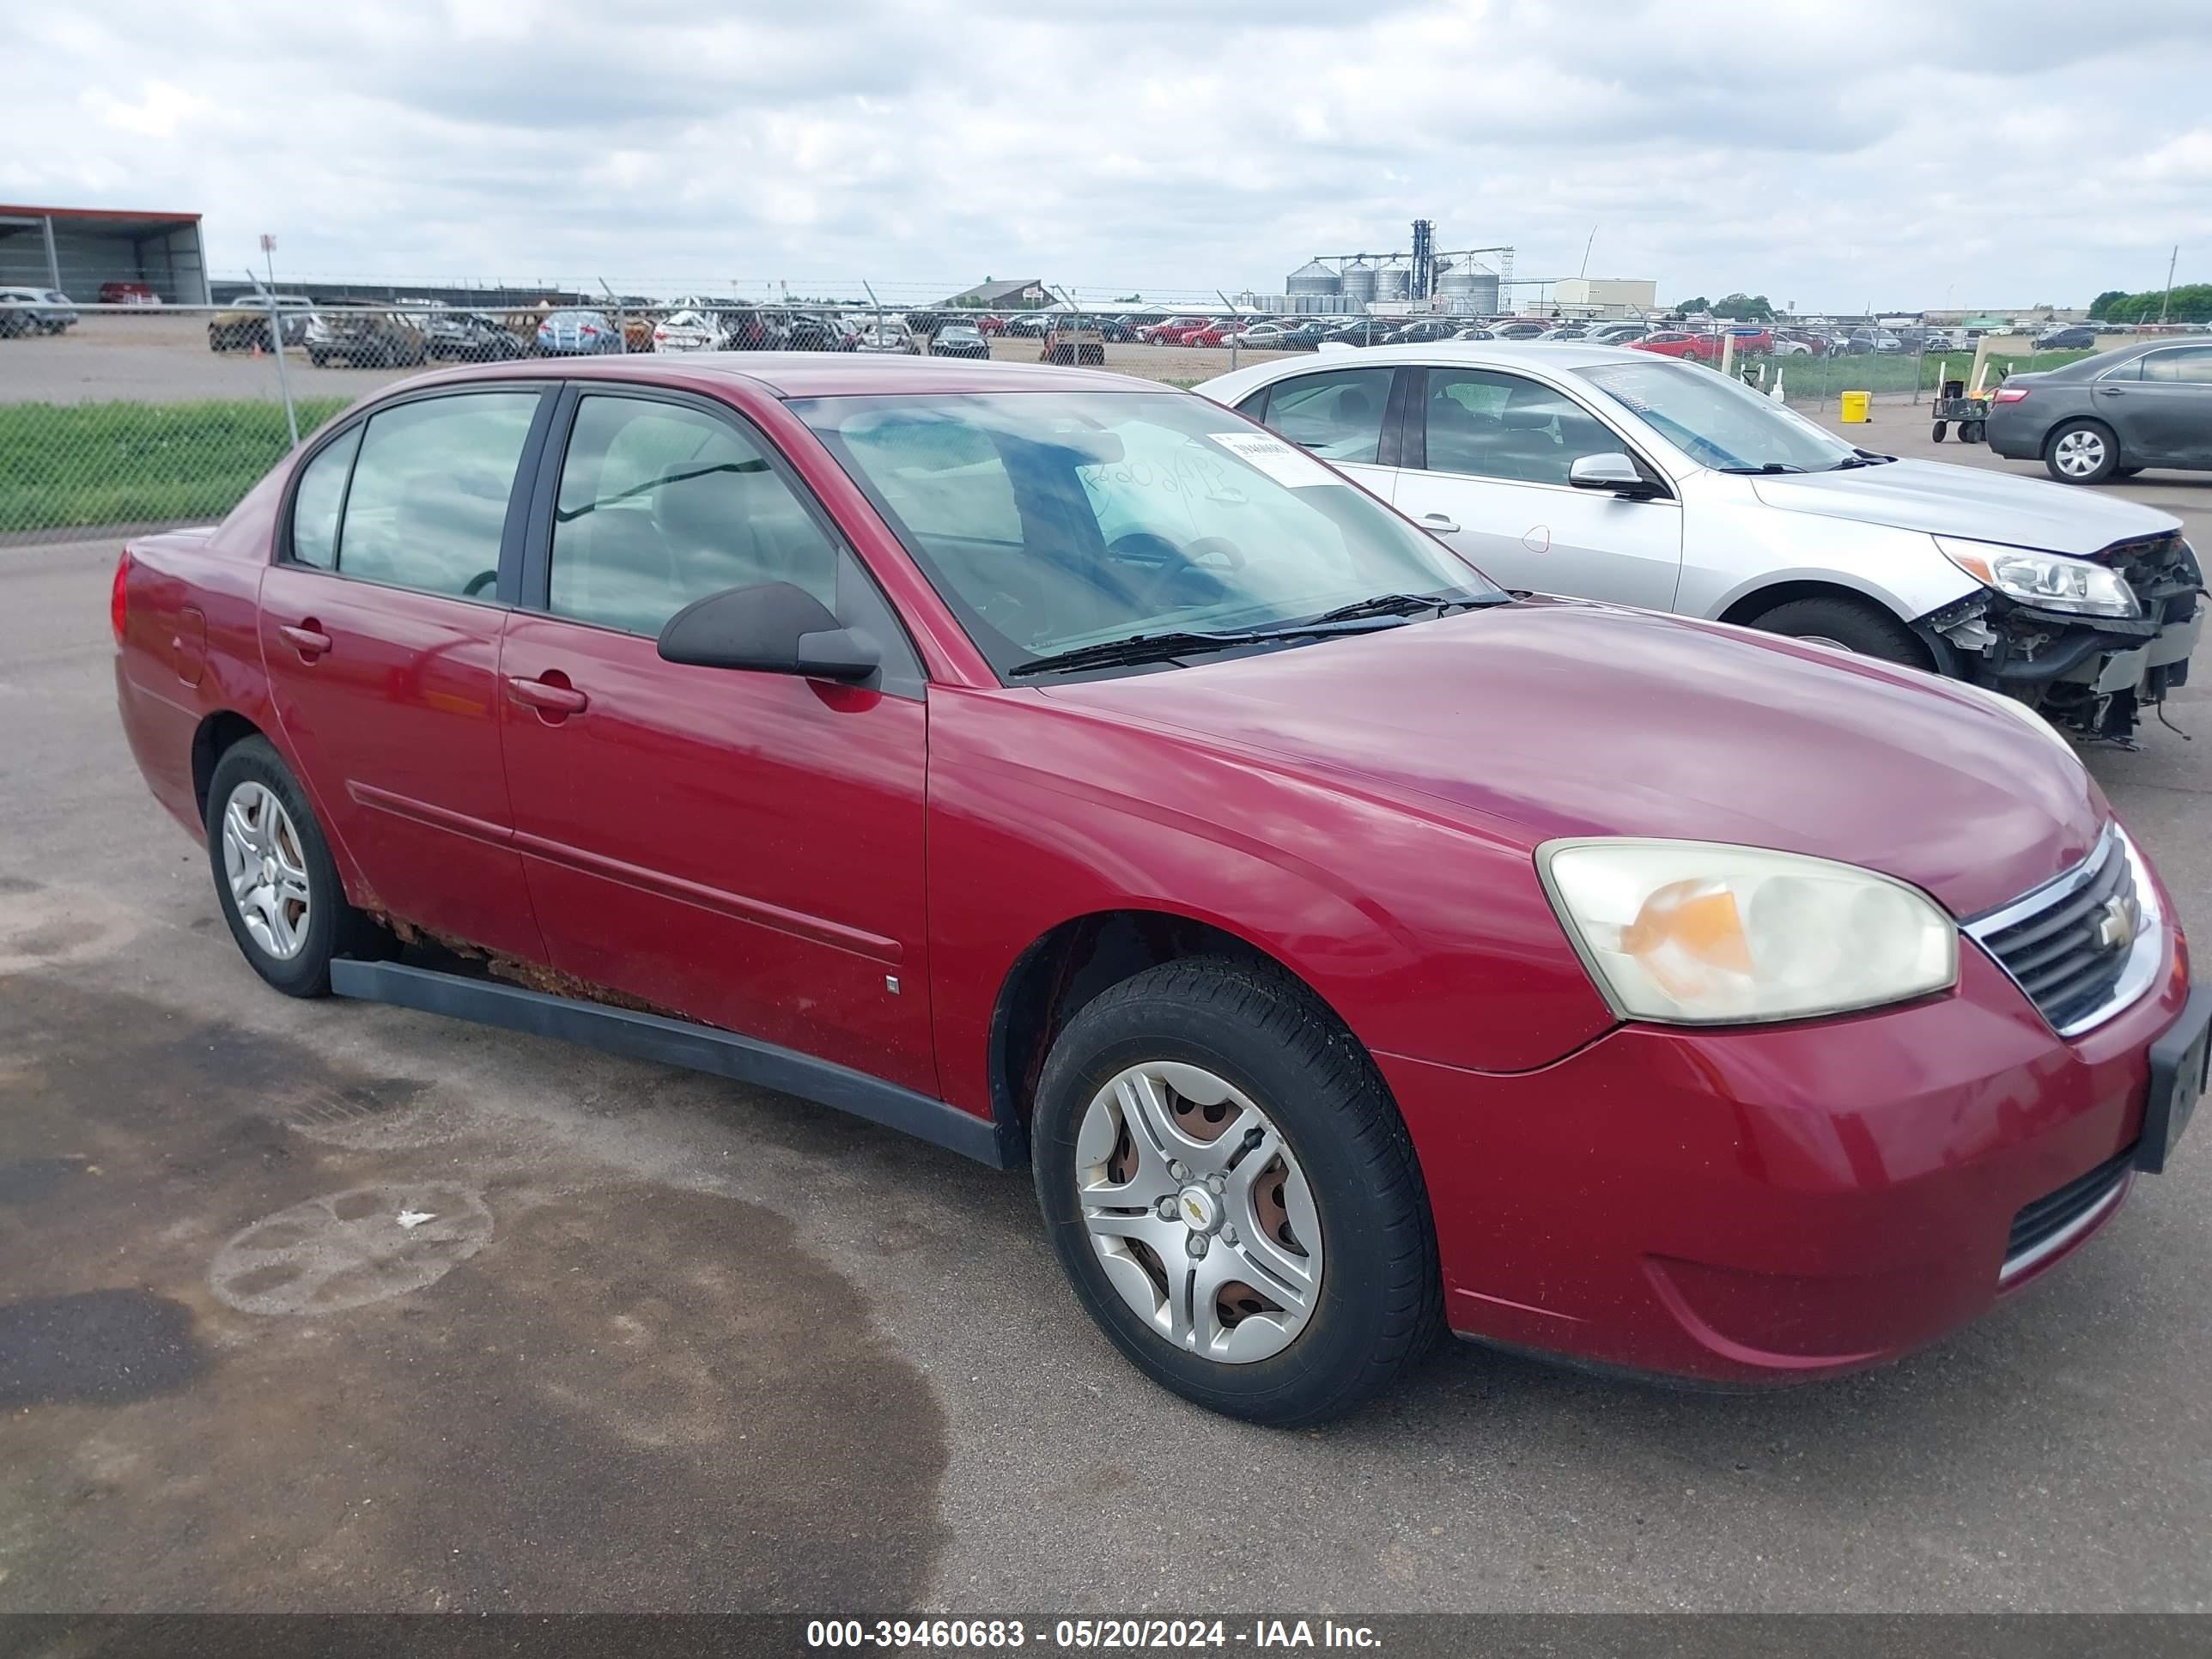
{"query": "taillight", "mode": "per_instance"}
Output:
(589, 332)
(2009, 394)
(118, 598)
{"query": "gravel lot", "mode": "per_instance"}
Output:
(698, 1347)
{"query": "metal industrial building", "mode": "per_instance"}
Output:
(1606, 296)
(78, 249)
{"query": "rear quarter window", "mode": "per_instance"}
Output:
(317, 502)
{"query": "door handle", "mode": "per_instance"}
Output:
(2110, 391)
(548, 698)
(308, 639)
(1440, 521)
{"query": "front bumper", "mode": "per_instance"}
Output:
(1756, 1206)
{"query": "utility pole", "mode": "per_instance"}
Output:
(276, 335)
(2167, 298)
(1584, 271)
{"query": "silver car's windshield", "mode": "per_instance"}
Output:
(1717, 420)
(1052, 521)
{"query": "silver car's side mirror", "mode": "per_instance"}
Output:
(1615, 474)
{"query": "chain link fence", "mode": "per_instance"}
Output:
(122, 417)
(127, 416)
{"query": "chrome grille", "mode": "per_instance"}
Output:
(2083, 946)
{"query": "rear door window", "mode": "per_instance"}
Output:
(428, 506)
(1337, 414)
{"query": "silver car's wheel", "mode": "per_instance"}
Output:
(266, 868)
(1199, 1212)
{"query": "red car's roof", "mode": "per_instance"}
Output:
(817, 373)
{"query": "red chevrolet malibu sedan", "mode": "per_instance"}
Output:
(1062, 769)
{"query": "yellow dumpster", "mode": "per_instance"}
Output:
(1855, 406)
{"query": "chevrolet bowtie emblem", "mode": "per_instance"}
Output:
(2116, 924)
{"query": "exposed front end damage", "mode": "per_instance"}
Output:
(2090, 676)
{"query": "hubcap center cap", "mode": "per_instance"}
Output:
(1199, 1210)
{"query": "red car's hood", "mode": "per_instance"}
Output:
(1568, 719)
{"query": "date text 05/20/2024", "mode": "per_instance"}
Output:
(1085, 1635)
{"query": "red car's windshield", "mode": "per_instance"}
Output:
(1052, 521)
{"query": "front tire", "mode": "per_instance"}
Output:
(279, 890)
(1858, 626)
(1232, 1195)
(2080, 453)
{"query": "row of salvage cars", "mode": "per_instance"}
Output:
(1204, 801)
(407, 335)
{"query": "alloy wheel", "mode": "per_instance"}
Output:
(267, 871)
(1199, 1212)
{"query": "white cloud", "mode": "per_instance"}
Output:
(1831, 152)
(160, 111)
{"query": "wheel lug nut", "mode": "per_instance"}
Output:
(1178, 1169)
(1197, 1246)
(1166, 1207)
(1216, 1184)
(1228, 1235)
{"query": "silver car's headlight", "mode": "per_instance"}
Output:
(2054, 581)
(1703, 932)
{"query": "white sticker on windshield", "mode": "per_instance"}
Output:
(1285, 463)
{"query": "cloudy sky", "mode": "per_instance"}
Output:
(1896, 152)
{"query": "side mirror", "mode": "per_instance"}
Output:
(1615, 474)
(772, 628)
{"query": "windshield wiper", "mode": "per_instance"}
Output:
(1167, 647)
(1859, 458)
(1400, 605)
(1764, 466)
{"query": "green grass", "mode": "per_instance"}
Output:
(70, 466)
(1822, 379)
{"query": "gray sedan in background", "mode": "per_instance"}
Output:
(2110, 416)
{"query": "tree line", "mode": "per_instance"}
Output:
(2190, 303)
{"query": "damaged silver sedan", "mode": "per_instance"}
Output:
(1617, 476)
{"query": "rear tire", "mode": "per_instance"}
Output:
(1858, 626)
(274, 877)
(1340, 1193)
(2080, 453)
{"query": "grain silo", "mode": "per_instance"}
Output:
(1392, 282)
(1467, 290)
(1358, 285)
(1314, 287)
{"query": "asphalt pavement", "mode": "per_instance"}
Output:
(667, 1343)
